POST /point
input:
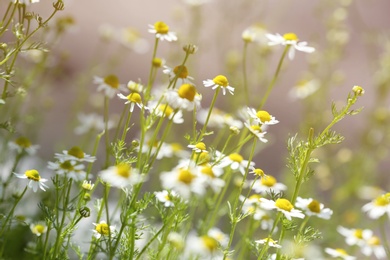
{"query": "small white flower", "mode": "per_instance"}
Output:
(262, 117)
(185, 97)
(269, 241)
(161, 30)
(109, 85)
(75, 154)
(22, 144)
(87, 185)
(218, 118)
(289, 39)
(282, 205)
(132, 99)
(312, 207)
(378, 207)
(256, 131)
(235, 161)
(304, 89)
(38, 228)
(166, 197)
(102, 229)
(91, 122)
(180, 72)
(165, 110)
(72, 169)
(204, 247)
(338, 252)
(219, 81)
(200, 147)
(121, 175)
(35, 180)
(268, 184)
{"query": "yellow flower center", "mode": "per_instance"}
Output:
(358, 233)
(210, 243)
(259, 172)
(161, 27)
(264, 116)
(202, 158)
(76, 152)
(256, 128)
(314, 206)
(284, 204)
(123, 170)
(157, 62)
(103, 229)
(23, 142)
(32, 175)
(235, 157)
(39, 229)
(221, 80)
(112, 81)
(165, 109)
(254, 197)
(290, 37)
(186, 176)
(268, 181)
(341, 251)
(374, 241)
(208, 171)
(135, 98)
(382, 200)
(187, 91)
(181, 71)
(67, 165)
(201, 146)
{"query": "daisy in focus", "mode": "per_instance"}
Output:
(219, 81)
(161, 30)
(282, 205)
(133, 99)
(289, 39)
(312, 207)
(121, 175)
(255, 129)
(185, 97)
(35, 180)
(262, 117)
(109, 85)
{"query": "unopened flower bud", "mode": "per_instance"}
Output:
(358, 90)
(87, 197)
(234, 130)
(85, 212)
(190, 48)
(59, 5)
(135, 143)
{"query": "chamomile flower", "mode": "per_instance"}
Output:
(72, 169)
(211, 176)
(176, 240)
(269, 241)
(236, 162)
(204, 247)
(35, 179)
(258, 172)
(185, 97)
(87, 185)
(218, 119)
(91, 123)
(378, 207)
(161, 30)
(133, 99)
(109, 85)
(23, 144)
(38, 228)
(180, 72)
(135, 87)
(121, 175)
(74, 154)
(255, 129)
(364, 238)
(102, 229)
(262, 117)
(339, 253)
(282, 205)
(373, 246)
(289, 39)
(199, 147)
(166, 197)
(268, 184)
(166, 150)
(312, 207)
(165, 110)
(219, 81)
(218, 235)
(254, 33)
(304, 88)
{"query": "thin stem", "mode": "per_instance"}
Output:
(150, 79)
(208, 115)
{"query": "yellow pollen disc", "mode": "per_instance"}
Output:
(23, 142)
(221, 80)
(161, 27)
(123, 170)
(358, 233)
(135, 98)
(67, 165)
(33, 175)
(284, 204)
(314, 206)
(157, 62)
(210, 243)
(290, 37)
(76, 152)
(202, 158)
(254, 197)
(235, 157)
(39, 228)
(187, 91)
(268, 181)
(382, 200)
(181, 71)
(259, 172)
(102, 229)
(201, 146)
(256, 128)
(166, 109)
(86, 186)
(208, 171)
(167, 197)
(186, 176)
(374, 241)
(341, 251)
(264, 116)
(112, 81)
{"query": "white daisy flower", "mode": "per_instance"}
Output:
(87, 185)
(91, 122)
(121, 175)
(218, 118)
(256, 131)
(378, 207)
(102, 229)
(261, 116)
(339, 253)
(185, 97)
(199, 147)
(235, 161)
(135, 87)
(72, 169)
(166, 150)
(282, 205)
(35, 179)
(161, 30)
(180, 72)
(211, 177)
(165, 110)
(109, 85)
(203, 247)
(254, 33)
(166, 197)
(269, 241)
(74, 154)
(38, 228)
(304, 88)
(133, 98)
(219, 81)
(289, 39)
(218, 235)
(22, 144)
(312, 207)
(373, 246)
(268, 184)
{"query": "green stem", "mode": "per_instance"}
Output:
(150, 79)
(11, 213)
(107, 136)
(208, 115)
